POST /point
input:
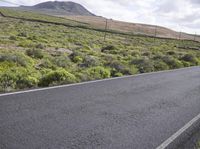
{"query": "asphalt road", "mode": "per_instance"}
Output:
(138, 112)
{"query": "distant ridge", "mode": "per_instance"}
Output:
(76, 12)
(59, 8)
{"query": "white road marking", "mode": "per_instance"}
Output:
(170, 140)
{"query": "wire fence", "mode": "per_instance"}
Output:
(109, 25)
(149, 30)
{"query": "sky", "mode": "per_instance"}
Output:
(179, 15)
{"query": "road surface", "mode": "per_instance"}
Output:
(138, 112)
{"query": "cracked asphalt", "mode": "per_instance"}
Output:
(138, 112)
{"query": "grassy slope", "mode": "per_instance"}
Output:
(98, 23)
(36, 54)
(131, 27)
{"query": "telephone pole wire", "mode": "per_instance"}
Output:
(106, 26)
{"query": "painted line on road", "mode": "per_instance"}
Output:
(95, 81)
(170, 140)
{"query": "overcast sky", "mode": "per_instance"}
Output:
(180, 15)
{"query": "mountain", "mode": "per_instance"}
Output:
(59, 8)
(78, 13)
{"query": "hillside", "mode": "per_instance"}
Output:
(39, 50)
(59, 8)
(78, 13)
(134, 28)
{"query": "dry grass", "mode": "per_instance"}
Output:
(99, 22)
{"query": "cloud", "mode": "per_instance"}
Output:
(175, 14)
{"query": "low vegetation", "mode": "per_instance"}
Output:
(198, 144)
(35, 54)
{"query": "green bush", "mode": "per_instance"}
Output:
(45, 63)
(22, 34)
(186, 64)
(190, 58)
(35, 53)
(26, 44)
(118, 74)
(76, 57)
(4, 66)
(39, 46)
(110, 49)
(144, 65)
(135, 53)
(160, 65)
(198, 144)
(17, 78)
(118, 67)
(98, 73)
(62, 61)
(171, 52)
(57, 77)
(26, 81)
(17, 58)
(90, 61)
(13, 37)
(172, 62)
(7, 81)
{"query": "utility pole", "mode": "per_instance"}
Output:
(155, 33)
(106, 26)
(195, 36)
(180, 35)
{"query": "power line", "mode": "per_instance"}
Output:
(8, 2)
(106, 27)
(155, 33)
(195, 36)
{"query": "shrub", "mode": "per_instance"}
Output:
(144, 65)
(186, 64)
(135, 53)
(148, 54)
(118, 67)
(198, 144)
(90, 61)
(118, 74)
(110, 49)
(22, 34)
(18, 78)
(171, 53)
(160, 65)
(26, 43)
(172, 62)
(76, 57)
(25, 81)
(190, 58)
(4, 66)
(18, 58)
(8, 81)
(13, 37)
(45, 63)
(62, 61)
(39, 46)
(98, 72)
(57, 77)
(35, 53)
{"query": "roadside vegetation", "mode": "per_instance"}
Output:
(35, 54)
(198, 145)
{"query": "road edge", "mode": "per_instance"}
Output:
(95, 81)
(183, 134)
